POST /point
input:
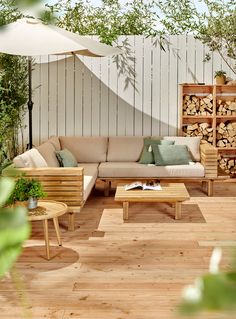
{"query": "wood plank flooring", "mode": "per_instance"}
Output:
(116, 270)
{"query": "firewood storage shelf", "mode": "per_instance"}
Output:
(209, 111)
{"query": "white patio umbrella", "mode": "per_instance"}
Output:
(30, 37)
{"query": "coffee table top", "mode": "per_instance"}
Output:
(171, 192)
(53, 209)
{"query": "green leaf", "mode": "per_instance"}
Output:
(14, 230)
(6, 187)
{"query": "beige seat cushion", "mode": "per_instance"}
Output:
(30, 158)
(90, 176)
(86, 149)
(47, 150)
(136, 170)
(124, 148)
(193, 144)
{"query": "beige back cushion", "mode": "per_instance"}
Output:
(54, 140)
(31, 158)
(125, 148)
(193, 144)
(91, 149)
(47, 150)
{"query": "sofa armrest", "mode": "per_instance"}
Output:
(209, 159)
(63, 184)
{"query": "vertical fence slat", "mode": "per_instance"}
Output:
(87, 98)
(36, 99)
(208, 73)
(129, 92)
(52, 106)
(191, 61)
(70, 89)
(173, 89)
(138, 95)
(113, 97)
(147, 78)
(61, 98)
(164, 92)
(156, 92)
(199, 62)
(104, 115)
(78, 120)
(44, 102)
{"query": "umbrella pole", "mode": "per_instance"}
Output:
(30, 102)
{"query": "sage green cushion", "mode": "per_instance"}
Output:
(171, 155)
(148, 157)
(66, 158)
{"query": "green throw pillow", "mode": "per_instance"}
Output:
(66, 158)
(171, 155)
(147, 156)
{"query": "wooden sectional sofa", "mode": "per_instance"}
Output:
(109, 159)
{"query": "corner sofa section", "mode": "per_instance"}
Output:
(108, 159)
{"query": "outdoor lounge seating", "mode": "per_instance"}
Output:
(109, 159)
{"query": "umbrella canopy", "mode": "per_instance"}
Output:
(31, 37)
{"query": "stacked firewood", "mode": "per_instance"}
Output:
(226, 107)
(226, 134)
(204, 130)
(193, 105)
(228, 165)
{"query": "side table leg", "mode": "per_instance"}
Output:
(57, 229)
(178, 210)
(45, 226)
(125, 210)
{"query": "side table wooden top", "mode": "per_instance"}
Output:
(53, 209)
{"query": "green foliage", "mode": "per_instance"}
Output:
(109, 20)
(215, 291)
(216, 26)
(13, 92)
(218, 293)
(220, 73)
(26, 188)
(35, 189)
(14, 228)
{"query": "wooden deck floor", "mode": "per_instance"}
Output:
(110, 269)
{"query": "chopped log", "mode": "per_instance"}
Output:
(226, 107)
(226, 134)
(194, 105)
(228, 165)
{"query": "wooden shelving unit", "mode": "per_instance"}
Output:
(223, 98)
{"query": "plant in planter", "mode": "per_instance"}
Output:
(27, 192)
(220, 77)
(35, 191)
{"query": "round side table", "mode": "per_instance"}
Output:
(53, 210)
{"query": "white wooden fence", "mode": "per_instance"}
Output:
(87, 96)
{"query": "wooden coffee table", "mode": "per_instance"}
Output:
(53, 210)
(171, 193)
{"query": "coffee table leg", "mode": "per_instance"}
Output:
(45, 226)
(178, 210)
(125, 210)
(57, 229)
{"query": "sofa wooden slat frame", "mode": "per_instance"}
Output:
(61, 184)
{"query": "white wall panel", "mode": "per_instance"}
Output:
(90, 96)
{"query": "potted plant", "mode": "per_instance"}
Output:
(27, 192)
(220, 77)
(35, 191)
